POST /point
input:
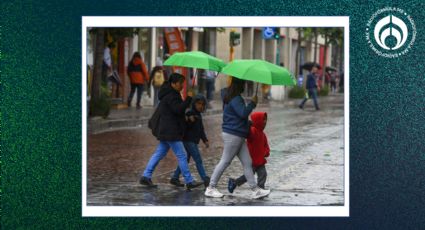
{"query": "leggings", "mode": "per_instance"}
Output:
(234, 146)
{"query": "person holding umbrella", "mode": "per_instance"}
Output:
(311, 87)
(235, 131)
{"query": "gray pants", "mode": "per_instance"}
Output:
(261, 177)
(234, 146)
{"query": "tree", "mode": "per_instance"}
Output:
(303, 34)
(316, 35)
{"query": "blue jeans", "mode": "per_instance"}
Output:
(192, 151)
(311, 93)
(161, 152)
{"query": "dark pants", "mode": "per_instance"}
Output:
(312, 93)
(261, 177)
(210, 88)
(139, 88)
(333, 86)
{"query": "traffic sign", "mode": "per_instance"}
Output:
(268, 32)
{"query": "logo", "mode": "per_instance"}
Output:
(268, 32)
(390, 32)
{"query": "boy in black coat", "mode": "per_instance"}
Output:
(193, 134)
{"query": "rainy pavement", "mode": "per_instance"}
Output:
(305, 167)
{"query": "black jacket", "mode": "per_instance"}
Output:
(195, 130)
(172, 114)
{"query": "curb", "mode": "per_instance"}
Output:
(98, 125)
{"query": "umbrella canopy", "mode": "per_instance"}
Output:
(195, 59)
(330, 68)
(259, 71)
(309, 65)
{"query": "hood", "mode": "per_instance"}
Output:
(198, 97)
(137, 61)
(165, 90)
(258, 120)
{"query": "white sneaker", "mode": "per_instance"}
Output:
(213, 192)
(259, 192)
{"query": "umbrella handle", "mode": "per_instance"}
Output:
(194, 78)
(256, 91)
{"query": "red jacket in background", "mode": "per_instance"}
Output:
(138, 72)
(257, 141)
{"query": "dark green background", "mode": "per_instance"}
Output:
(41, 116)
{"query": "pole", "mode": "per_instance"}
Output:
(231, 56)
(278, 51)
(232, 52)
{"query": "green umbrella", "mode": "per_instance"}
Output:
(195, 59)
(259, 71)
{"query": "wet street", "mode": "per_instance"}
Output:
(305, 167)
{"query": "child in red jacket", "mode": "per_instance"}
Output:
(258, 149)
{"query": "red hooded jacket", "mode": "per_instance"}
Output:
(257, 141)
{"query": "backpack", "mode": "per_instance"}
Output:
(153, 122)
(158, 79)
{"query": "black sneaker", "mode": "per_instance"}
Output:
(176, 182)
(147, 182)
(300, 107)
(193, 185)
(206, 181)
(231, 185)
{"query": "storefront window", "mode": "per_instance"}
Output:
(145, 47)
(160, 46)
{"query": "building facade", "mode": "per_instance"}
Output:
(153, 45)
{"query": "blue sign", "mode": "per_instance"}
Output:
(268, 32)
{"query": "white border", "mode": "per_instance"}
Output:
(217, 211)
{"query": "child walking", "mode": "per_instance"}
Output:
(258, 149)
(193, 134)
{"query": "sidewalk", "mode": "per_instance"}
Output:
(133, 118)
(138, 118)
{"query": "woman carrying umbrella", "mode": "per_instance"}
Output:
(235, 131)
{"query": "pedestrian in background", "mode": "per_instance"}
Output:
(311, 88)
(258, 150)
(138, 74)
(156, 80)
(193, 134)
(333, 82)
(210, 85)
(172, 124)
(107, 61)
(235, 131)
